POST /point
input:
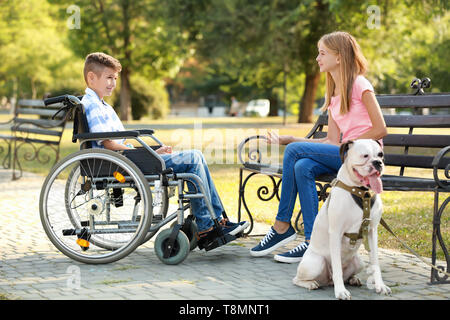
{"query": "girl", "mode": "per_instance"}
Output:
(353, 113)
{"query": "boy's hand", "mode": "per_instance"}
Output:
(164, 150)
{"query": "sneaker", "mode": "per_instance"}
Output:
(273, 241)
(233, 228)
(294, 255)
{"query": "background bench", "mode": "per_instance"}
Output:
(31, 132)
(419, 146)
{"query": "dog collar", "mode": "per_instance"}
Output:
(364, 198)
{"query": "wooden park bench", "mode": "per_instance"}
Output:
(31, 132)
(419, 145)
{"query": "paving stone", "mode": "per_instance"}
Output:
(32, 268)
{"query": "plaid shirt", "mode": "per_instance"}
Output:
(101, 117)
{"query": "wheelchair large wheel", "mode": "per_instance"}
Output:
(96, 206)
(159, 211)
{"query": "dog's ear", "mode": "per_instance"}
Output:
(343, 150)
(379, 143)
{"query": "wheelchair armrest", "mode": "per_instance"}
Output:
(145, 131)
(107, 135)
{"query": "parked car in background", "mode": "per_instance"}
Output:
(260, 107)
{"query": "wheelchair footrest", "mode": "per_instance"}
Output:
(215, 243)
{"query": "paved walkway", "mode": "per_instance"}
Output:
(31, 268)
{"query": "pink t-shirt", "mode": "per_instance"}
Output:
(357, 121)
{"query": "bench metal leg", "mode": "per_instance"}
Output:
(262, 193)
(436, 278)
(6, 163)
(242, 201)
(15, 159)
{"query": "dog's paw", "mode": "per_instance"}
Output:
(383, 289)
(380, 287)
(342, 294)
(354, 281)
(310, 285)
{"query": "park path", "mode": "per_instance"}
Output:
(31, 268)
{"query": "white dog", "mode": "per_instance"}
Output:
(332, 257)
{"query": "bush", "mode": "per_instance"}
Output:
(148, 98)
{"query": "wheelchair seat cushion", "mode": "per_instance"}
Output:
(144, 160)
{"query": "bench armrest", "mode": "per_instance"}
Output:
(6, 122)
(445, 184)
(254, 154)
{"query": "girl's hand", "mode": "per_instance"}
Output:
(164, 150)
(273, 138)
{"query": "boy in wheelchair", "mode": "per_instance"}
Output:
(100, 73)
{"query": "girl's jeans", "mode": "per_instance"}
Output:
(193, 161)
(302, 163)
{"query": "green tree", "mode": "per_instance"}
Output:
(269, 43)
(33, 55)
(259, 43)
(134, 32)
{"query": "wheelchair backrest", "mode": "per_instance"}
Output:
(80, 125)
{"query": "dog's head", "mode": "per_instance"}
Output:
(364, 161)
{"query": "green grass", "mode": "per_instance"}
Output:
(409, 214)
(4, 297)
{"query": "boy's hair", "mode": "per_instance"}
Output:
(98, 61)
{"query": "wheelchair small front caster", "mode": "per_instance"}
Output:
(178, 251)
(190, 230)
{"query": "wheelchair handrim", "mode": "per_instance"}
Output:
(136, 175)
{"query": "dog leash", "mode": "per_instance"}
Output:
(366, 198)
(386, 226)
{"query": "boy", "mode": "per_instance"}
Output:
(100, 73)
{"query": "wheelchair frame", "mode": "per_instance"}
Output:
(173, 238)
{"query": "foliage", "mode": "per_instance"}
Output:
(149, 98)
(134, 32)
(270, 43)
(249, 49)
(34, 57)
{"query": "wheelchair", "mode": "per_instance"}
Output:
(97, 206)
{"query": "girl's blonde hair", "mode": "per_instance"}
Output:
(352, 63)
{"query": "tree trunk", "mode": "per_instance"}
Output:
(273, 106)
(125, 94)
(309, 95)
(33, 89)
(125, 88)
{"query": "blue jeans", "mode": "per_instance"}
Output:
(302, 163)
(193, 161)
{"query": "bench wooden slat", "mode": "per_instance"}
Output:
(415, 161)
(417, 140)
(30, 140)
(40, 112)
(402, 183)
(41, 122)
(37, 131)
(417, 121)
(414, 101)
(406, 121)
(36, 103)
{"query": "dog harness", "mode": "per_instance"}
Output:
(365, 199)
